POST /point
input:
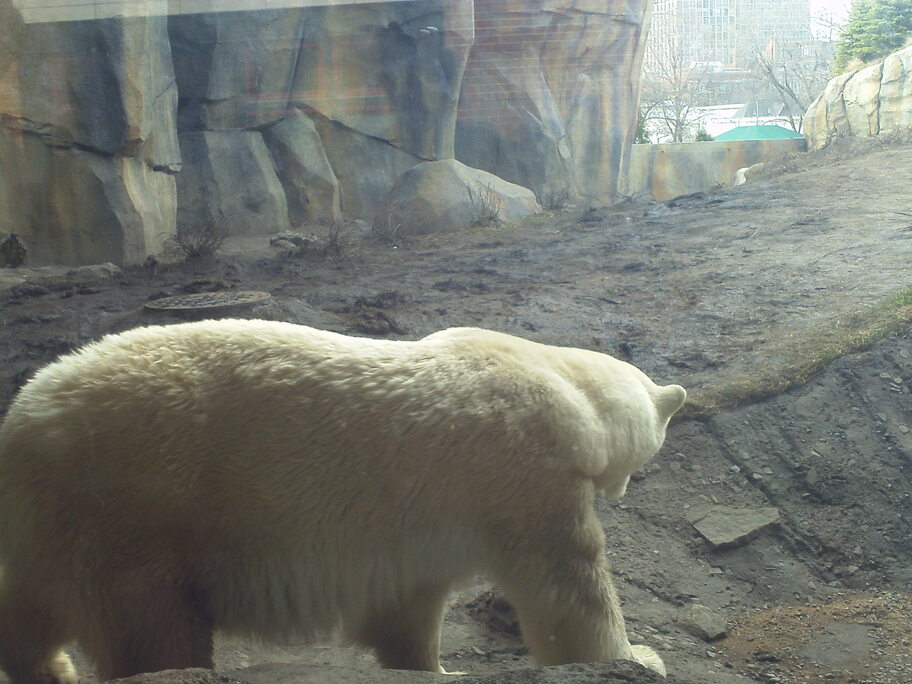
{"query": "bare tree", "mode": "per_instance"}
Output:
(796, 68)
(674, 85)
(797, 72)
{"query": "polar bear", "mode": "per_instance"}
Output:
(271, 479)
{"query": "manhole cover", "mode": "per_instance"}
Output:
(209, 300)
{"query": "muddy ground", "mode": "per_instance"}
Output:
(712, 292)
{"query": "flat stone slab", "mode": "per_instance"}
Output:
(727, 528)
(704, 623)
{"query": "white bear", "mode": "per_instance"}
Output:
(271, 479)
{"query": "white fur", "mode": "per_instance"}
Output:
(271, 479)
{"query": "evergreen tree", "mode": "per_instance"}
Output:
(875, 29)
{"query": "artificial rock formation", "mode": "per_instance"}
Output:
(870, 101)
(440, 196)
(549, 95)
(88, 140)
(115, 131)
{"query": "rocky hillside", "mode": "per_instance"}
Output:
(870, 101)
(117, 129)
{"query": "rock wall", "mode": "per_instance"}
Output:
(866, 102)
(88, 145)
(116, 131)
(550, 92)
(670, 170)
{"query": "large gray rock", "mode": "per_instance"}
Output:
(549, 95)
(88, 137)
(229, 178)
(866, 102)
(75, 207)
(311, 187)
(235, 69)
(434, 197)
(366, 167)
(105, 85)
(388, 70)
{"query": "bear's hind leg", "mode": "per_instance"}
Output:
(558, 579)
(31, 636)
(405, 632)
(148, 627)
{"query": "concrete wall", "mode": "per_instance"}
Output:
(671, 170)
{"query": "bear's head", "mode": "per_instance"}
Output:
(625, 416)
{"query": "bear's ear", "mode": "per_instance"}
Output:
(668, 400)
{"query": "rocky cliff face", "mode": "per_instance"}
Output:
(114, 131)
(88, 145)
(870, 101)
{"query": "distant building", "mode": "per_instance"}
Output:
(725, 32)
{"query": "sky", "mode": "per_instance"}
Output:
(839, 7)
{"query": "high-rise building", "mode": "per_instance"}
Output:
(725, 32)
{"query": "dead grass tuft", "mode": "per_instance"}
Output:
(805, 357)
(485, 204)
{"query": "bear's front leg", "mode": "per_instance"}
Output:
(556, 575)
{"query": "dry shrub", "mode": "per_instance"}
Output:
(897, 137)
(202, 239)
(485, 203)
(338, 243)
(555, 199)
(388, 231)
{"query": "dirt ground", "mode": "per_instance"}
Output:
(714, 292)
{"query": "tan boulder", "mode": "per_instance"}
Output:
(827, 114)
(896, 91)
(861, 94)
(442, 196)
(867, 102)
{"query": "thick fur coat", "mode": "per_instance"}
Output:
(272, 479)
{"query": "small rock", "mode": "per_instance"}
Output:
(13, 252)
(83, 274)
(493, 609)
(704, 623)
(726, 528)
(29, 290)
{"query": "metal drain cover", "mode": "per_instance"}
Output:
(209, 300)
